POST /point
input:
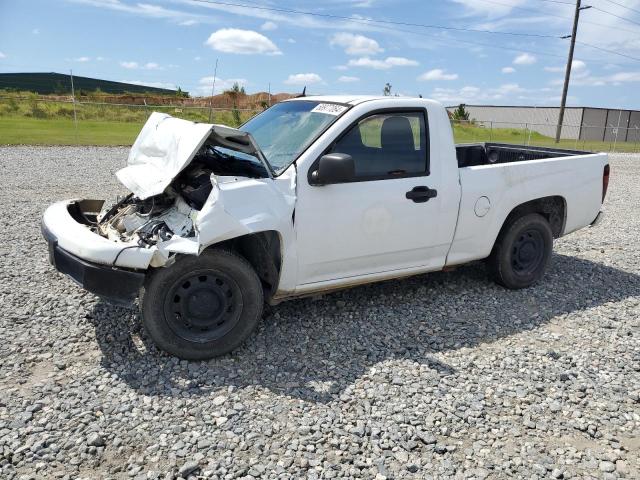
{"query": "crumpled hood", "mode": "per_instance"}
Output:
(166, 145)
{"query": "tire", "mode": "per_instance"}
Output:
(202, 307)
(522, 252)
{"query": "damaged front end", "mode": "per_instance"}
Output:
(173, 193)
(192, 185)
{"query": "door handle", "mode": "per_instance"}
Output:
(421, 194)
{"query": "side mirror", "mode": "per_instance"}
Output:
(334, 168)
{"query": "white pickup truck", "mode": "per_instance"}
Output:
(313, 194)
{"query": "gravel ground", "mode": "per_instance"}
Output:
(444, 375)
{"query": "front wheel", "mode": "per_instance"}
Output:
(522, 252)
(202, 307)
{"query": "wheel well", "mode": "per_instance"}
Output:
(554, 209)
(262, 251)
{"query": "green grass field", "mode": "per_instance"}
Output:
(473, 134)
(18, 130)
(32, 131)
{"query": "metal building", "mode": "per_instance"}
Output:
(582, 123)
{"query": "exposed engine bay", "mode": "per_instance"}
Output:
(173, 212)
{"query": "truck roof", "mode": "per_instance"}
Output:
(353, 99)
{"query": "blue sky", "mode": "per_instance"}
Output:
(176, 42)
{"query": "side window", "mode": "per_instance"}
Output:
(387, 145)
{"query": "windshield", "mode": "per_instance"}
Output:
(285, 130)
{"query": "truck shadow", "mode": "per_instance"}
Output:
(314, 349)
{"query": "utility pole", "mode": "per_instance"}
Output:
(567, 74)
(213, 86)
(73, 99)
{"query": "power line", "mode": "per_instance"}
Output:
(501, 47)
(623, 6)
(472, 42)
(613, 52)
(410, 24)
(601, 25)
(371, 20)
(617, 16)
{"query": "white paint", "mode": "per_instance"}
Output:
(577, 179)
(353, 229)
(482, 207)
(164, 147)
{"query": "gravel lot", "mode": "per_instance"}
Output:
(443, 375)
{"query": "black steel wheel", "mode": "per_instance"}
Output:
(522, 252)
(202, 307)
(527, 252)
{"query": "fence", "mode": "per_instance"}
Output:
(39, 120)
(614, 140)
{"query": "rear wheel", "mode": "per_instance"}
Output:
(522, 252)
(202, 307)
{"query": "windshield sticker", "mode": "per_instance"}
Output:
(329, 108)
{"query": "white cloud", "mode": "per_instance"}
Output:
(342, 68)
(478, 7)
(234, 40)
(624, 77)
(148, 10)
(197, 59)
(188, 23)
(575, 65)
(169, 85)
(585, 79)
(82, 59)
(135, 65)
(363, 3)
(99, 59)
(2, 55)
(473, 94)
(367, 62)
(581, 76)
(385, 64)
(129, 65)
(348, 79)
(291, 40)
(268, 26)
(509, 88)
(525, 59)
(303, 79)
(401, 62)
(437, 74)
(35, 31)
(508, 70)
(578, 65)
(222, 84)
(355, 44)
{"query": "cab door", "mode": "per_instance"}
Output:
(388, 217)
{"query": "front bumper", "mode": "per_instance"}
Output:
(114, 284)
(67, 222)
